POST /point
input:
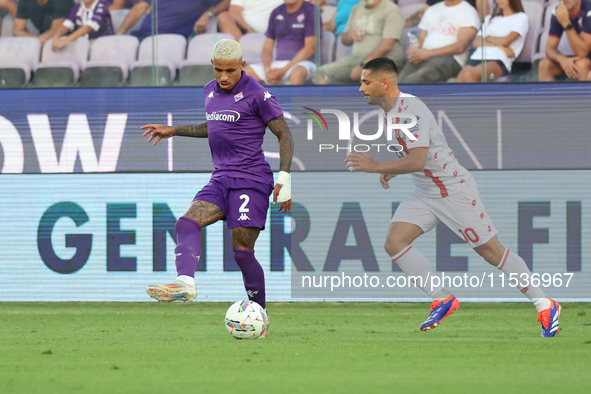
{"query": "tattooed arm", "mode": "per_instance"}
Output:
(160, 131)
(282, 190)
(280, 128)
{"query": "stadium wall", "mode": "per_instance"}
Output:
(88, 207)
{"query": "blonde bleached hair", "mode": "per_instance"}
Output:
(227, 49)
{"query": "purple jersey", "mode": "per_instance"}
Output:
(290, 30)
(236, 124)
(582, 22)
(96, 16)
(177, 16)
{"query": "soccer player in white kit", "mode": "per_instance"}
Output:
(445, 192)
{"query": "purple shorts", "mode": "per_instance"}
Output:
(244, 202)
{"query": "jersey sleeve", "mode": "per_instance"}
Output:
(421, 130)
(70, 21)
(271, 33)
(587, 20)
(521, 24)
(555, 26)
(309, 22)
(266, 106)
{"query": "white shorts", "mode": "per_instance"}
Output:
(462, 212)
(308, 65)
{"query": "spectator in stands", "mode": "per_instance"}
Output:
(47, 16)
(375, 30)
(174, 16)
(291, 27)
(446, 31)
(247, 16)
(481, 7)
(9, 6)
(572, 17)
(90, 17)
(122, 4)
(339, 20)
(499, 42)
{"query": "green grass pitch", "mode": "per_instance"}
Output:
(311, 348)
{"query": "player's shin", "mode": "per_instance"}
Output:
(188, 249)
(252, 274)
(516, 269)
(416, 267)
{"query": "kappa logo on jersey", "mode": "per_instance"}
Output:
(238, 97)
(243, 217)
(267, 95)
(210, 95)
(225, 115)
(279, 17)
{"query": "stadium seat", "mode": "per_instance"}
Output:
(410, 9)
(110, 59)
(341, 49)
(548, 11)
(252, 47)
(8, 24)
(407, 33)
(535, 12)
(327, 12)
(197, 69)
(169, 52)
(18, 56)
(404, 3)
(328, 47)
(118, 16)
(61, 68)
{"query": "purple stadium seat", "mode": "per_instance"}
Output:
(169, 53)
(62, 67)
(18, 56)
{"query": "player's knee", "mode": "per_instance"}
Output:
(224, 17)
(394, 245)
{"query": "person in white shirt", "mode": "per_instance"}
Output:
(447, 28)
(445, 192)
(247, 16)
(498, 43)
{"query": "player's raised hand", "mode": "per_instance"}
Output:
(158, 131)
(385, 178)
(360, 162)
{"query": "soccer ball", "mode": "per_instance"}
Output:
(246, 320)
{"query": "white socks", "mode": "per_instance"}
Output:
(513, 264)
(416, 267)
(186, 280)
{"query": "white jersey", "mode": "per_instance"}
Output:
(443, 175)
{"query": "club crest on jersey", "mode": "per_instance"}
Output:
(210, 95)
(238, 97)
(267, 95)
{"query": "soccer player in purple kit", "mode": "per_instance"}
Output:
(238, 110)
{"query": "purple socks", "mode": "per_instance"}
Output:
(188, 248)
(252, 274)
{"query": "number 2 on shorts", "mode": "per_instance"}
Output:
(244, 204)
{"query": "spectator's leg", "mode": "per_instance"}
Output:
(339, 71)
(548, 70)
(227, 24)
(464, 75)
(584, 66)
(256, 71)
